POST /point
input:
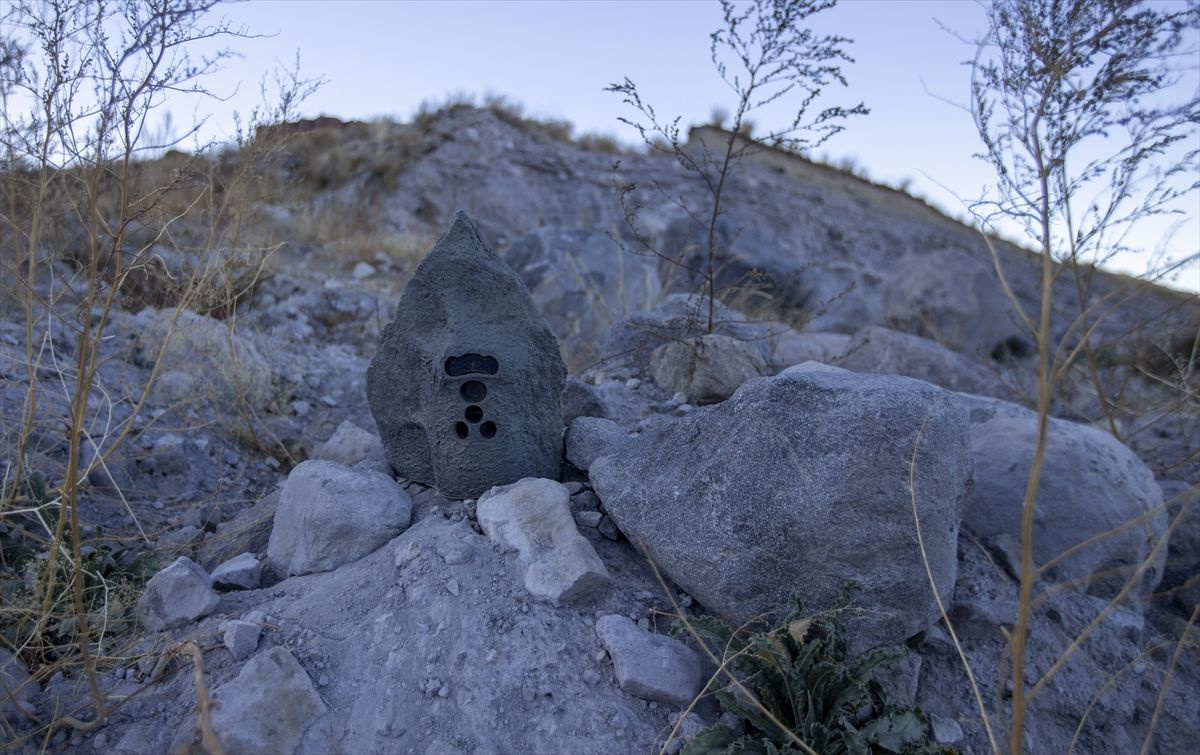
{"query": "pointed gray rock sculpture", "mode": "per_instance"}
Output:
(465, 384)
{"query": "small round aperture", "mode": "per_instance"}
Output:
(487, 429)
(473, 391)
(461, 429)
(473, 413)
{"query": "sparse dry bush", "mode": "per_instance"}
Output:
(88, 226)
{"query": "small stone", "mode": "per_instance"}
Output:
(946, 731)
(272, 462)
(452, 587)
(243, 572)
(608, 528)
(349, 445)
(100, 741)
(177, 595)
(633, 384)
(301, 408)
(241, 637)
(591, 676)
(329, 400)
(444, 692)
(268, 706)
(323, 680)
(588, 518)
(362, 270)
(644, 624)
(585, 501)
(650, 666)
(679, 398)
(573, 487)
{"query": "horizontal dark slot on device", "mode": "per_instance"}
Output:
(472, 364)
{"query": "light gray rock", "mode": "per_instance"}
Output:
(946, 731)
(1089, 484)
(954, 298)
(888, 352)
(329, 515)
(466, 382)
(792, 347)
(243, 572)
(533, 517)
(707, 368)
(241, 637)
(650, 666)
(177, 595)
(795, 485)
(227, 366)
(589, 438)
(18, 690)
(350, 445)
(267, 707)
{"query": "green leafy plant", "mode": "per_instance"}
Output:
(799, 676)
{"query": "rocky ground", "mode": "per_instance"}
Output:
(879, 375)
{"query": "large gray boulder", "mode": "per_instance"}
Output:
(533, 517)
(329, 515)
(177, 595)
(267, 707)
(955, 298)
(583, 283)
(465, 384)
(1090, 484)
(795, 485)
(707, 368)
(888, 352)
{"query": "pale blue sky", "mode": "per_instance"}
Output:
(555, 57)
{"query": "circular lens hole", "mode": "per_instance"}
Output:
(473, 391)
(487, 429)
(461, 429)
(473, 413)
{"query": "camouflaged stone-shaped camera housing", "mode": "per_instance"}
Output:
(466, 382)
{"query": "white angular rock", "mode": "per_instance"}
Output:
(707, 369)
(533, 516)
(329, 515)
(650, 666)
(349, 445)
(243, 572)
(589, 438)
(177, 595)
(267, 707)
